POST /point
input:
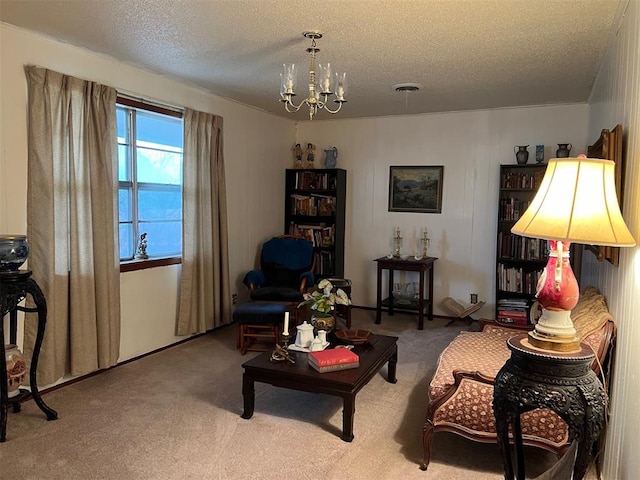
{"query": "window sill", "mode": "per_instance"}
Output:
(132, 265)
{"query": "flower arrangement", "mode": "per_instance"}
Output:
(325, 299)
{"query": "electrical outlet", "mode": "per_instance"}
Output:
(234, 298)
(474, 298)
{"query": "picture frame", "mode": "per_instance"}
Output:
(416, 188)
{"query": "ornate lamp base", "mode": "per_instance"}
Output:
(554, 343)
(555, 332)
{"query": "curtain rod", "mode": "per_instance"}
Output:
(150, 102)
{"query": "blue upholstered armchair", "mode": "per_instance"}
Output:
(285, 273)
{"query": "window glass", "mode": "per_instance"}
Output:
(150, 181)
(126, 239)
(157, 166)
(156, 205)
(164, 238)
(154, 129)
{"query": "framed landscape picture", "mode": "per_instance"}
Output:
(415, 189)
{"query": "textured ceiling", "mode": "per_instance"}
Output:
(466, 54)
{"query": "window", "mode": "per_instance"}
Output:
(149, 179)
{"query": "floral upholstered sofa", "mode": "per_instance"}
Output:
(461, 391)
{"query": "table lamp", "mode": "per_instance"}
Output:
(576, 202)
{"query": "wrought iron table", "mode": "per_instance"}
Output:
(14, 287)
(563, 382)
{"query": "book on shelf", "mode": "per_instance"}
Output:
(315, 181)
(334, 368)
(334, 356)
(513, 310)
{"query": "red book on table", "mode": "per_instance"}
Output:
(335, 356)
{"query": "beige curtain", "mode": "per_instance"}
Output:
(205, 293)
(71, 217)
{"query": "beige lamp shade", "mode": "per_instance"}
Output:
(576, 202)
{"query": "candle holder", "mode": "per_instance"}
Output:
(397, 243)
(281, 352)
(425, 244)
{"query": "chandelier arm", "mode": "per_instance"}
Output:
(333, 111)
(289, 103)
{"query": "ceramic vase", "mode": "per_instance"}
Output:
(564, 149)
(522, 154)
(16, 369)
(331, 157)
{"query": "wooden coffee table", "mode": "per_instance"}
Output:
(344, 383)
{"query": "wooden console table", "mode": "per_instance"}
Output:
(14, 287)
(563, 382)
(423, 267)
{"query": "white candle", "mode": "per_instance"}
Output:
(286, 322)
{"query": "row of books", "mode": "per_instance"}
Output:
(513, 310)
(515, 279)
(324, 263)
(333, 360)
(512, 208)
(522, 180)
(312, 205)
(319, 235)
(315, 181)
(521, 248)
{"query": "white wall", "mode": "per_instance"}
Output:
(471, 146)
(616, 99)
(256, 147)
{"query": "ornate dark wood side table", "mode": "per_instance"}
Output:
(14, 287)
(425, 268)
(563, 382)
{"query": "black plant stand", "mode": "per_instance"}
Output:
(14, 287)
(563, 382)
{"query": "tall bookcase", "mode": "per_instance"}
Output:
(315, 209)
(519, 260)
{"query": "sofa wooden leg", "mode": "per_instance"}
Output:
(427, 442)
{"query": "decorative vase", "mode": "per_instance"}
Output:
(16, 369)
(331, 157)
(14, 251)
(323, 321)
(563, 150)
(539, 153)
(522, 154)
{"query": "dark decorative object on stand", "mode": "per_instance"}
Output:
(539, 153)
(14, 251)
(564, 149)
(522, 154)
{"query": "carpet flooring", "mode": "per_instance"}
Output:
(175, 414)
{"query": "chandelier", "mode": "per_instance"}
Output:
(322, 83)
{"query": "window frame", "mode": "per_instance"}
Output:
(134, 264)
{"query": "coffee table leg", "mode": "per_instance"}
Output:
(249, 395)
(391, 368)
(348, 411)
